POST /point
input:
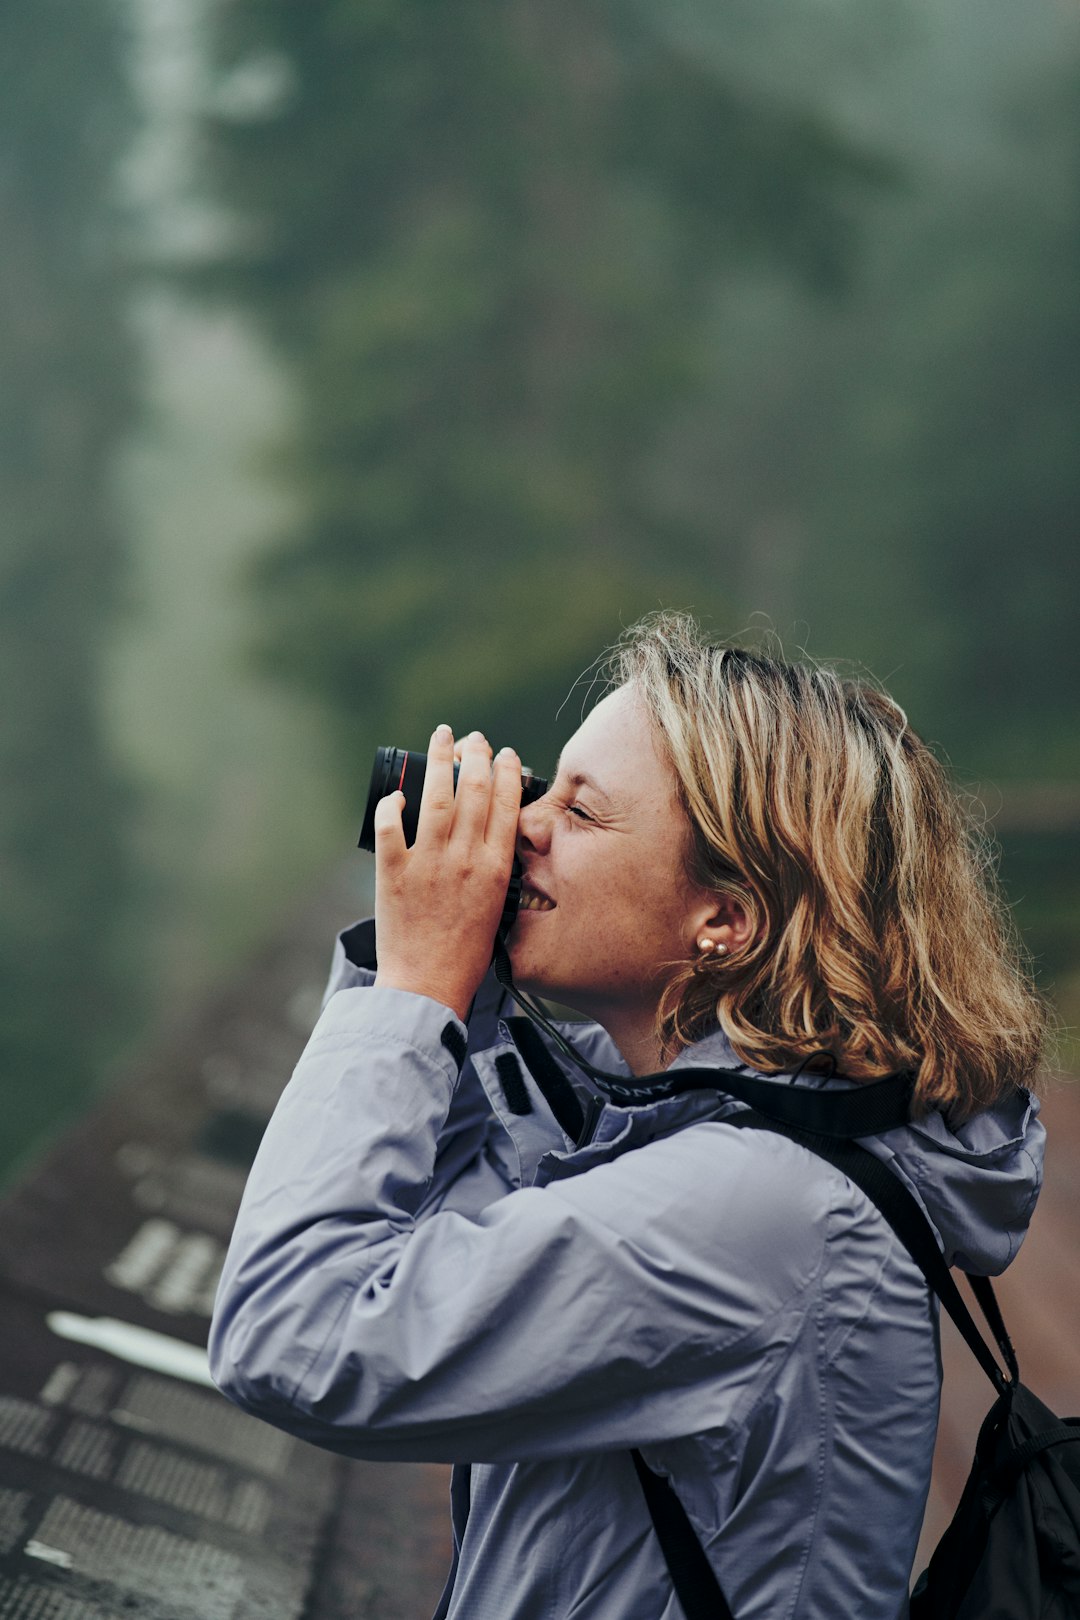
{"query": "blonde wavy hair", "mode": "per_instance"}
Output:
(878, 934)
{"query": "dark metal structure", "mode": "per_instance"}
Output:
(128, 1485)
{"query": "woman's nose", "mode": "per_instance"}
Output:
(534, 827)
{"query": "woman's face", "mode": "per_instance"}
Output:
(606, 904)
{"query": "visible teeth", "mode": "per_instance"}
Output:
(535, 902)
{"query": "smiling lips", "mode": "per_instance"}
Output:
(532, 900)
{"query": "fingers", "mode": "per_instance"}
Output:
(484, 808)
(389, 833)
(505, 806)
(473, 789)
(437, 795)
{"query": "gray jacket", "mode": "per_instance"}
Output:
(425, 1267)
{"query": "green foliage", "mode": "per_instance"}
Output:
(66, 358)
(573, 299)
(488, 240)
(938, 486)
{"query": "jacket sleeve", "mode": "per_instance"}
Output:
(467, 1173)
(634, 1302)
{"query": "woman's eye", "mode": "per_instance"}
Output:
(576, 810)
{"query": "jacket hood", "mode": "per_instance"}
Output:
(978, 1181)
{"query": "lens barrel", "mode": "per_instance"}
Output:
(404, 769)
(395, 768)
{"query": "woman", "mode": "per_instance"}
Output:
(740, 863)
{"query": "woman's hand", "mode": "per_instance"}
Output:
(438, 904)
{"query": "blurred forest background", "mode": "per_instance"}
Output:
(368, 363)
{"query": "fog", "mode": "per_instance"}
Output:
(367, 368)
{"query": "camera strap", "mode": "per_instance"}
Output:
(864, 1110)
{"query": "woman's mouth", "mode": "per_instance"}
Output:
(533, 900)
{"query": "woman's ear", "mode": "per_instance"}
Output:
(722, 924)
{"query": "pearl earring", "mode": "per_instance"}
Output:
(705, 945)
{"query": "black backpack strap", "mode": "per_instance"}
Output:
(889, 1195)
(692, 1576)
(695, 1583)
(1065, 1431)
(867, 1109)
(983, 1290)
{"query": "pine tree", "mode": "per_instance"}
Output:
(487, 239)
(67, 361)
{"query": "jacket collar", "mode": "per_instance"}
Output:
(519, 1101)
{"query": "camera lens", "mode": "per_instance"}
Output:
(395, 768)
(403, 768)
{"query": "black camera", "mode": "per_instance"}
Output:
(404, 769)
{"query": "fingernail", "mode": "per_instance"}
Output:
(477, 736)
(506, 753)
(443, 734)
